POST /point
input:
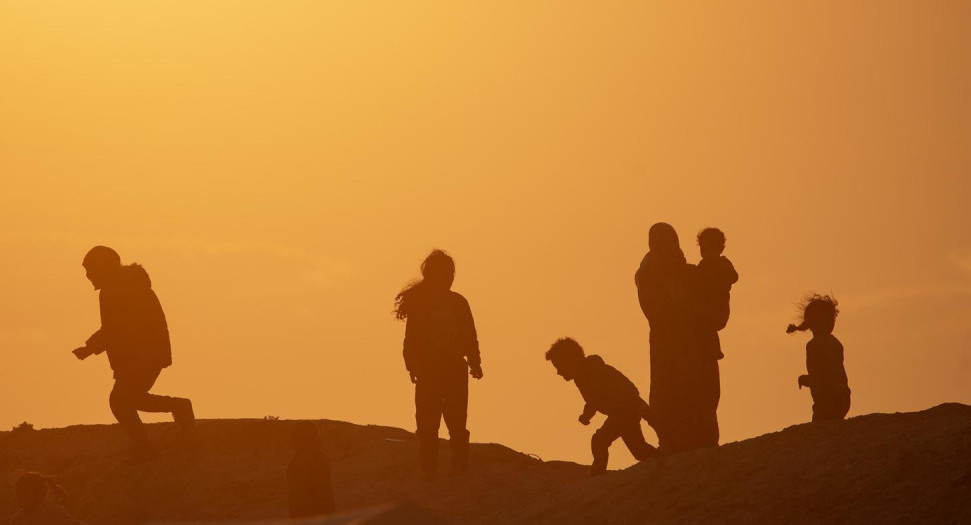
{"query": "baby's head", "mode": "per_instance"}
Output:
(712, 242)
(304, 436)
(567, 357)
(818, 314)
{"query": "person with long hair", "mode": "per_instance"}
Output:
(441, 350)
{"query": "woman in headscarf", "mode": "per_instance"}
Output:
(684, 372)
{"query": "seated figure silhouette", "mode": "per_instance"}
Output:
(715, 276)
(40, 501)
(826, 377)
(606, 390)
(441, 350)
(308, 474)
(135, 337)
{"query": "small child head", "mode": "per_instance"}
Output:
(304, 436)
(818, 314)
(31, 489)
(567, 357)
(712, 242)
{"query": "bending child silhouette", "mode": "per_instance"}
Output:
(135, 336)
(41, 502)
(308, 474)
(826, 376)
(441, 350)
(606, 390)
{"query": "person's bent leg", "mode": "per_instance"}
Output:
(428, 418)
(455, 410)
(124, 399)
(600, 445)
(634, 439)
(179, 407)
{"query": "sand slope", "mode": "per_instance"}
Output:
(881, 468)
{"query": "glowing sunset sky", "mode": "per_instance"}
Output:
(281, 168)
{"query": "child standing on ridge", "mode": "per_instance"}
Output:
(308, 474)
(41, 502)
(441, 351)
(606, 390)
(826, 376)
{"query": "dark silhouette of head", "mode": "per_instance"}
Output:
(438, 270)
(712, 242)
(102, 265)
(33, 488)
(567, 357)
(437, 275)
(818, 314)
(664, 244)
(304, 436)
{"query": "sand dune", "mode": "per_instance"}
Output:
(880, 468)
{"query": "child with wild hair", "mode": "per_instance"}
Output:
(826, 377)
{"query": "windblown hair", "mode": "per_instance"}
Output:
(565, 348)
(818, 312)
(33, 488)
(712, 236)
(437, 263)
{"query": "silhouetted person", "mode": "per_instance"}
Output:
(308, 474)
(41, 502)
(716, 275)
(440, 350)
(685, 387)
(826, 379)
(605, 390)
(135, 336)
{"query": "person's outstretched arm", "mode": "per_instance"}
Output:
(93, 346)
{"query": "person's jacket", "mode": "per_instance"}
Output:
(133, 331)
(440, 334)
(824, 364)
(664, 292)
(605, 389)
(716, 277)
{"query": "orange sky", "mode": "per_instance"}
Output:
(281, 169)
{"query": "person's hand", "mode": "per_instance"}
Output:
(475, 371)
(584, 419)
(803, 381)
(414, 378)
(791, 328)
(82, 352)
